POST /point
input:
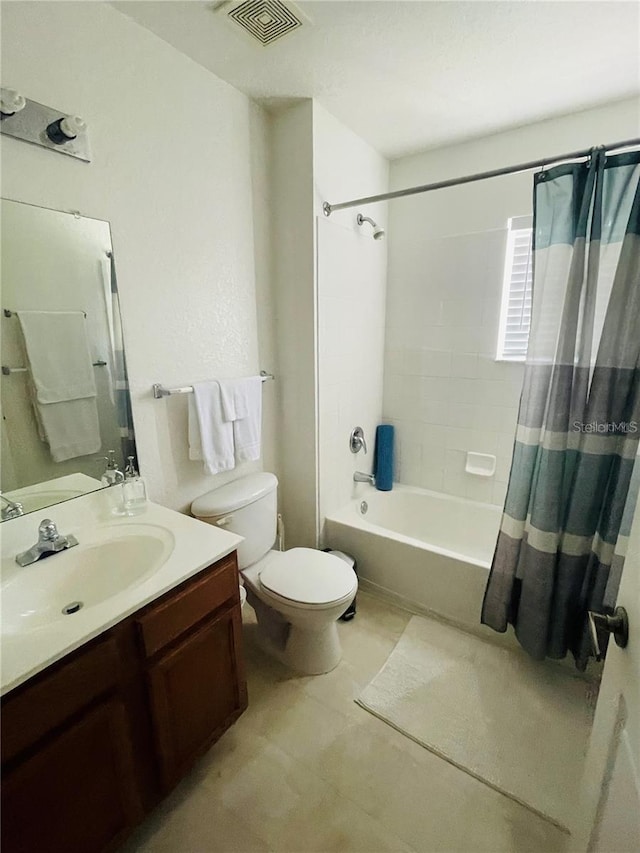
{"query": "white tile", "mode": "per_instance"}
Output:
(483, 441)
(437, 337)
(459, 439)
(454, 484)
(468, 339)
(479, 489)
(434, 412)
(503, 469)
(461, 415)
(410, 462)
(460, 390)
(435, 436)
(433, 455)
(455, 461)
(435, 388)
(412, 361)
(464, 364)
(499, 493)
(505, 447)
(432, 478)
(460, 312)
(491, 312)
(435, 362)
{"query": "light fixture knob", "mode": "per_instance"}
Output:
(71, 126)
(65, 129)
(11, 102)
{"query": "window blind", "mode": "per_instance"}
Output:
(515, 315)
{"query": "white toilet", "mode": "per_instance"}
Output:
(298, 594)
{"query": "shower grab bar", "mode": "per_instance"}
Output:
(159, 391)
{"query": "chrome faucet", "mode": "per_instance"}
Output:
(359, 477)
(13, 509)
(49, 542)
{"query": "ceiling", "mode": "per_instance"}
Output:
(410, 75)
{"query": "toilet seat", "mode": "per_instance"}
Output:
(307, 578)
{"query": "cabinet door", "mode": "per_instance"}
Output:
(76, 794)
(196, 692)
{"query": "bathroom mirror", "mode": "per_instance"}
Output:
(64, 388)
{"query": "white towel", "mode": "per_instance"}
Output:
(247, 424)
(215, 434)
(59, 357)
(195, 442)
(71, 428)
(61, 375)
(237, 397)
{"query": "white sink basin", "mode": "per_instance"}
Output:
(39, 500)
(40, 495)
(107, 562)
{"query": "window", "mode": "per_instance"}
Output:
(515, 313)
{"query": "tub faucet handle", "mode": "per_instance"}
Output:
(356, 440)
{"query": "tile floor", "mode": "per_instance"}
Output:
(306, 769)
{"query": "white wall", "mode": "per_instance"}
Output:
(293, 266)
(443, 389)
(174, 172)
(351, 278)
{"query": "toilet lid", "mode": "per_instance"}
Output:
(308, 576)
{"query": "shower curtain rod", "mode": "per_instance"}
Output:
(328, 208)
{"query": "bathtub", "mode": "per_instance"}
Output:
(429, 551)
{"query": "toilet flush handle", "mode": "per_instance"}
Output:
(225, 521)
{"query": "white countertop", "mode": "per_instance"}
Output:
(25, 653)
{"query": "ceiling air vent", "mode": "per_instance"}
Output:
(265, 21)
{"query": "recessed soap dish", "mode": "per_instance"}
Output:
(480, 464)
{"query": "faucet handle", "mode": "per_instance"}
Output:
(47, 529)
(356, 440)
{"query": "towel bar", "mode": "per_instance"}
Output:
(7, 371)
(159, 391)
(8, 313)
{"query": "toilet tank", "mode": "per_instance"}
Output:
(247, 506)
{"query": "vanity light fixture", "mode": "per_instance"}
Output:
(41, 125)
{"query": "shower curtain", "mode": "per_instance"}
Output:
(120, 378)
(572, 487)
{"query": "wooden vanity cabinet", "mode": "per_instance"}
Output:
(90, 745)
(195, 672)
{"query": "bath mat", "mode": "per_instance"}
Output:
(518, 725)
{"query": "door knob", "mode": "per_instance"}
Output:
(617, 624)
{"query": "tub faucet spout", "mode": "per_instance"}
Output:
(359, 477)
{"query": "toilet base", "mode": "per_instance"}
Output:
(307, 651)
(313, 652)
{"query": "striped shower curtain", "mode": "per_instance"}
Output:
(120, 378)
(572, 486)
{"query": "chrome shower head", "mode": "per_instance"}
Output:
(378, 232)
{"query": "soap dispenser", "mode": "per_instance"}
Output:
(112, 475)
(114, 478)
(134, 492)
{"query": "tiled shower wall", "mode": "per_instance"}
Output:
(443, 389)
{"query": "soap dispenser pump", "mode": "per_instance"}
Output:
(112, 475)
